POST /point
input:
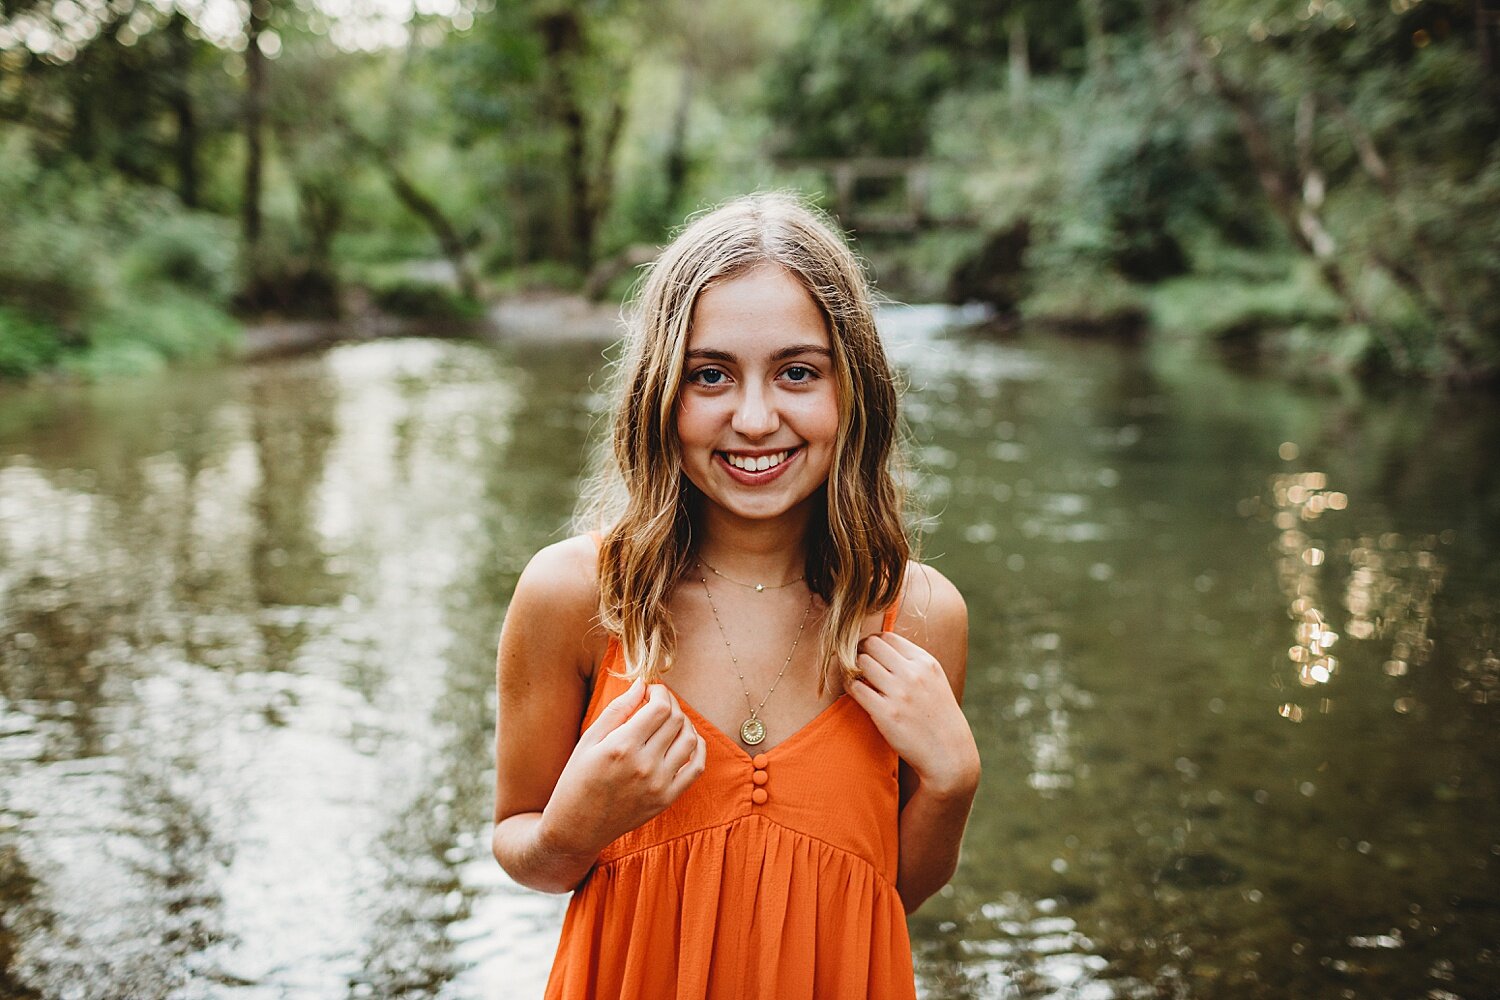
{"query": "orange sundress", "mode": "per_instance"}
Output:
(773, 877)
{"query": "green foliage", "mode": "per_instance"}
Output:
(58, 224)
(99, 275)
(933, 258)
(1110, 171)
(26, 345)
(419, 299)
(1225, 307)
(1387, 107)
(545, 276)
(540, 86)
(1134, 160)
(135, 337)
(862, 79)
(1113, 178)
(188, 251)
(1086, 301)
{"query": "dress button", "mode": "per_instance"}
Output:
(759, 760)
(759, 777)
(759, 796)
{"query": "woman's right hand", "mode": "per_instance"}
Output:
(625, 769)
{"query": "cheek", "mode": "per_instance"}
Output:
(691, 422)
(818, 416)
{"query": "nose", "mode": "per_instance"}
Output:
(755, 414)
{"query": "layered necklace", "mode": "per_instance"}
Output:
(753, 730)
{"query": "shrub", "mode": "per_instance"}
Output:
(100, 276)
(50, 266)
(174, 324)
(1081, 301)
(418, 299)
(26, 345)
(189, 251)
(1228, 307)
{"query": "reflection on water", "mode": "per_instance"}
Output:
(1388, 594)
(247, 629)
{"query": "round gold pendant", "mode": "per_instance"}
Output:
(752, 731)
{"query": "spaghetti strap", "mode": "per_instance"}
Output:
(602, 670)
(597, 684)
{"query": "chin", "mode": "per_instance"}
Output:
(766, 509)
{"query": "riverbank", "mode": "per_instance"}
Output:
(537, 316)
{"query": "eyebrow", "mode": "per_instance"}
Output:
(790, 351)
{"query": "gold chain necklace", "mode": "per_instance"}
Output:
(752, 730)
(757, 587)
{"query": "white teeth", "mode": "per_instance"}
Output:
(760, 464)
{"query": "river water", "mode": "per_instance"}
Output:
(1233, 673)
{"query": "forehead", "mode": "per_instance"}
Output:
(754, 313)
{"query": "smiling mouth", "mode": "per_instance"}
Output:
(759, 463)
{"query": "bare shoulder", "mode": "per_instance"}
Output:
(934, 615)
(557, 601)
(545, 662)
(567, 570)
(929, 600)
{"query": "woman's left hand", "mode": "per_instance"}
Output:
(909, 698)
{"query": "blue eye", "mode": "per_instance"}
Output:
(808, 372)
(700, 376)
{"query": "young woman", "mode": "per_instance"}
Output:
(729, 719)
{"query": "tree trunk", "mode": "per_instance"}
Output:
(181, 100)
(428, 211)
(582, 230)
(255, 103)
(1093, 30)
(1019, 65)
(1486, 24)
(322, 210)
(602, 190)
(677, 163)
(562, 39)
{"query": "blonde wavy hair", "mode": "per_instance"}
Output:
(643, 505)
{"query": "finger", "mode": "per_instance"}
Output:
(875, 673)
(659, 742)
(866, 696)
(647, 719)
(902, 644)
(880, 646)
(616, 712)
(691, 771)
(911, 653)
(671, 727)
(682, 749)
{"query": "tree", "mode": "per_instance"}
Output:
(548, 80)
(1340, 107)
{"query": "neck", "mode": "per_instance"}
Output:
(770, 552)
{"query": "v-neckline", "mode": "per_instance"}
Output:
(704, 722)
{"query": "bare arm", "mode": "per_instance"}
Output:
(913, 685)
(560, 798)
(542, 675)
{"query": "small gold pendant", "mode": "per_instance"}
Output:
(752, 731)
(759, 587)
